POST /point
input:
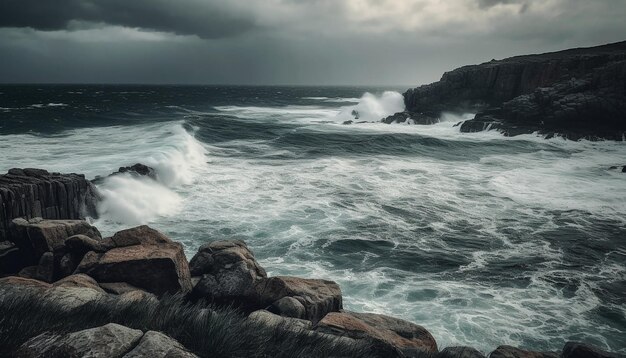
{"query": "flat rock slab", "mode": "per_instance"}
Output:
(111, 341)
(398, 333)
(158, 345)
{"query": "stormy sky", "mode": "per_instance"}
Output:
(303, 42)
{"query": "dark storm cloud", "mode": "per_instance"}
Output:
(206, 19)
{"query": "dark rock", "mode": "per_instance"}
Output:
(412, 117)
(348, 122)
(81, 244)
(157, 265)
(228, 272)
(577, 93)
(45, 269)
(581, 350)
(460, 352)
(398, 333)
(288, 307)
(29, 193)
(270, 319)
(28, 272)
(318, 297)
(11, 258)
(158, 345)
(118, 288)
(111, 341)
(512, 352)
(137, 170)
(37, 236)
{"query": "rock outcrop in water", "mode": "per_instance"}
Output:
(30, 193)
(577, 93)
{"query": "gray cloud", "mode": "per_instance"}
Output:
(206, 19)
(314, 42)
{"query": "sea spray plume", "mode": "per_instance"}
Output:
(138, 200)
(372, 108)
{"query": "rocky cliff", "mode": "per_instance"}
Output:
(576, 93)
(29, 193)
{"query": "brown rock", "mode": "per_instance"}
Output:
(38, 236)
(460, 352)
(78, 280)
(318, 297)
(140, 235)
(398, 333)
(288, 307)
(159, 269)
(81, 244)
(22, 281)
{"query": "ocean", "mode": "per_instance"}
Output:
(482, 239)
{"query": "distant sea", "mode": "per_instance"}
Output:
(482, 239)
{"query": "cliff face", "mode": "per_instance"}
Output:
(578, 92)
(30, 193)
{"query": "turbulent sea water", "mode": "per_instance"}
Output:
(484, 240)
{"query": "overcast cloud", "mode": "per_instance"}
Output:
(405, 42)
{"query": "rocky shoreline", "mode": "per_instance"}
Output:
(576, 93)
(134, 294)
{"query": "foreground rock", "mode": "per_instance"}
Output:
(580, 350)
(29, 193)
(578, 93)
(142, 257)
(228, 273)
(111, 340)
(317, 297)
(158, 345)
(409, 338)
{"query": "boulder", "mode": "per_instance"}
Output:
(228, 273)
(81, 244)
(269, 319)
(118, 288)
(45, 269)
(29, 193)
(318, 297)
(156, 265)
(158, 345)
(460, 352)
(111, 341)
(405, 336)
(38, 236)
(137, 296)
(140, 235)
(12, 281)
(79, 280)
(71, 298)
(581, 350)
(512, 352)
(288, 307)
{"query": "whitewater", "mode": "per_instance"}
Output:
(480, 238)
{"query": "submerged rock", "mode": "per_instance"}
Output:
(512, 352)
(136, 170)
(581, 350)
